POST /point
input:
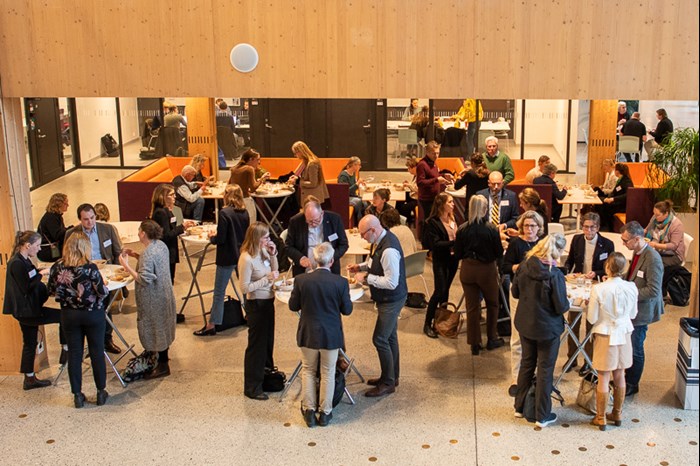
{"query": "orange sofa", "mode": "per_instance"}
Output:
(134, 191)
(521, 167)
(646, 175)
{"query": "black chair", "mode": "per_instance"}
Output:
(227, 142)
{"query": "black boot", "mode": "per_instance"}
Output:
(31, 382)
(430, 331)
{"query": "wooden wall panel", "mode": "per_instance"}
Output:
(201, 130)
(601, 138)
(352, 49)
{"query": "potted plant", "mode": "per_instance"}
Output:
(677, 174)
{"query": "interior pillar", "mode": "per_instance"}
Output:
(201, 130)
(601, 138)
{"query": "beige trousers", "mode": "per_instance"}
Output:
(309, 362)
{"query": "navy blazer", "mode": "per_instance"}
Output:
(298, 239)
(509, 213)
(557, 195)
(603, 248)
(322, 297)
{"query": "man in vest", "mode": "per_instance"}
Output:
(188, 194)
(385, 273)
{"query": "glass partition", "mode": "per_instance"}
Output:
(402, 141)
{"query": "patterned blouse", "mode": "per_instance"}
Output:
(80, 288)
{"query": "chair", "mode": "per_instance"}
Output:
(226, 139)
(409, 137)
(555, 228)
(503, 136)
(177, 212)
(688, 242)
(415, 264)
(628, 145)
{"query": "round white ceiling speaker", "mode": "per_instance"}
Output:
(244, 58)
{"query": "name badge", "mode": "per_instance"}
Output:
(333, 237)
(640, 273)
(107, 243)
(173, 219)
(266, 263)
(618, 188)
(505, 202)
(32, 273)
(603, 256)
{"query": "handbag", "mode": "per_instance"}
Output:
(233, 315)
(586, 397)
(139, 366)
(530, 403)
(448, 322)
(416, 300)
(274, 380)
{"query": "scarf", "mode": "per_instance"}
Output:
(660, 226)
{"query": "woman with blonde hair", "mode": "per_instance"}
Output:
(52, 229)
(78, 286)
(309, 173)
(228, 237)
(530, 201)
(612, 306)
(540, 289)
(198, 162)
(102, 212)
(478, 246)
(258, 270)
(162, 203)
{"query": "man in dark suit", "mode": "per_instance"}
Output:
(322, 297)
(646, 271)
(506, 208)
(634, 127)
(549, 171)
(587, 255)
(310, 228)
(106, 245)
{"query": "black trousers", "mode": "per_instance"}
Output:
(540, 355)
(30, 331)
(444, 273)
(173, 265)
(261, 342)
(79, 324)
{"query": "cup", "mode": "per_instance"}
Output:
(588, 283)
(580, 281)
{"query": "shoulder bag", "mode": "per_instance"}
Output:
(448, 322)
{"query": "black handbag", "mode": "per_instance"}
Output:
(416, 300)
(274, 380)
(233, 315)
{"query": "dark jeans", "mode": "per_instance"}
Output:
(261, 342)
(540, 355)
(472, 137)
(444, 273)
(386, 340)
(79, 324)
(173, 266)
(634, 373)
(426, 207)
(359, 211)
(30, 330)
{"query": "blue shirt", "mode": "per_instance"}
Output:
(94, 242)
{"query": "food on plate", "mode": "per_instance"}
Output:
(353, 231)
(367, 246)
(573, 277)
(198, 230)
(285, 284)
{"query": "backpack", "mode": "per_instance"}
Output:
(110, 148)
(676, 282)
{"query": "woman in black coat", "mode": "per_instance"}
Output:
(616, 201)
(476, 179)
(230, 231)
(541, 290)
(25, 295)
(439, 237)
(52, 229)
(162, 203)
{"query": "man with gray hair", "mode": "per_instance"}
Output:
(385, 273)
(188, 194)
(549, 171)
(322, 297)
(646, 271)
(497, 161)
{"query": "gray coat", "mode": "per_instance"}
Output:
(155, 299)
(647, 275)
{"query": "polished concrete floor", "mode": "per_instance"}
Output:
(451, 407)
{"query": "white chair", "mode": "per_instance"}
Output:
(415, 265)
(688, 242)
(555, 228)
(407, 137)
(628, 145)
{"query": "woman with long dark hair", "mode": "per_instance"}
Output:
(78, 286)
(616, 201)
(475, 179)
(244, 175)
(439, 237)
(230, 231)
(25, 296)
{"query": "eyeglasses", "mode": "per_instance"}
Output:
(530, 225)
(363, 233)
(625, 241)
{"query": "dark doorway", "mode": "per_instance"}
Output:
(350, 129)
(44, 139)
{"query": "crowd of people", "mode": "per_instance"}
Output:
(501, 245)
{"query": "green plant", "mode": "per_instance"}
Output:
(678, 164)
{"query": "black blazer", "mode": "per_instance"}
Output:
(171, 230)
(52, 230)
(22, 283)
(230, 232)
(557, 194)
(321, 297)
(298, 239)
(436, 239)
(619, 192)
(603, 248)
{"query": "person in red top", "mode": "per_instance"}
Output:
(428, 179)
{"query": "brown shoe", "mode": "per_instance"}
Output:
(161, 370)
(380, 390)
(377, 381)
(110, 347)
(343, 364)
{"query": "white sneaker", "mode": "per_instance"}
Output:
(551, 419)
(519, 415)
